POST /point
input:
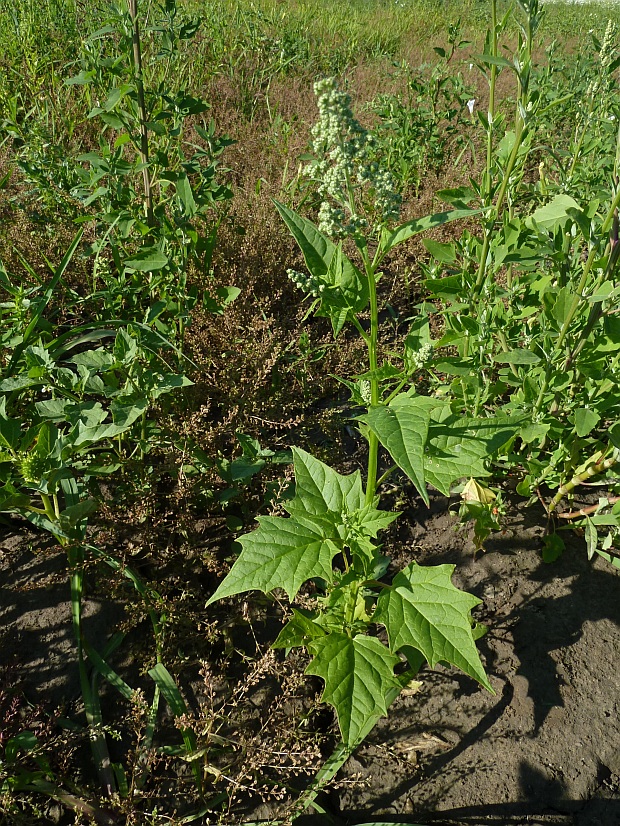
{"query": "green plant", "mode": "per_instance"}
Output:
(150, 188)
(69, 416)
(421, 128)
(329, 538)
(530, 303)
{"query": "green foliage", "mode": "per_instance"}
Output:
(77, 398)
(421, 610)
(430, 123)
(330, 533)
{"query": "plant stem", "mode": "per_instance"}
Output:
(92, 709)
(144, 136)
(491, 114)
(372, 342)
(592, 470)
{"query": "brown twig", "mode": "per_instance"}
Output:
(587, 510)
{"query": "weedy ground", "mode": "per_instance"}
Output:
(261, 369)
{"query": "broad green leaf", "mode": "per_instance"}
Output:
(371, 521)
(284, 553)
(423, 609)
(167, 383)
(358, 675)
(458, 447)
(280, 553)
(19, 383)
(492, 60)
(563, 304)
(81, 79)
(517, 357)
(553, 547)
(12, 499)
(47, 438)
(327, 261)
(554, 214)
(298, 631)
(446, 253)
(402, 429)
(98, 359)
(148, 259)
(585, 421)
(411, 228)
(125, 412)
(458, 197)
(446, 287)
(75, 513)
(320, 489)
(10, 432)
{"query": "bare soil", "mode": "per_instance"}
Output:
(545, 749)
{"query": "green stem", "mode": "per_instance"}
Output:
(92, 707)
(592, 470)
(386, 475)
(49, 510)
(342, 752)
(144, 135)
(492, 83)
(372, 342)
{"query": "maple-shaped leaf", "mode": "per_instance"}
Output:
(300, 630)
(319, 489)
(423, 609)
(359, 675)
(402, 429)
(280, 553)
(284, 553)
(371, 521)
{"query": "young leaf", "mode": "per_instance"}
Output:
(423, 609)
(280, 553)
(358, 675)
(402, 429)
(320, 489)
(284, 553)
(327, 261)
(300, 630)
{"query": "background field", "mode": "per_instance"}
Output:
(191, 477)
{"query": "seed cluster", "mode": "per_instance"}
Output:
(31, 467)
(364, 391)
(422, 357)
(310, 284)
(608, 46)
(343, 168)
